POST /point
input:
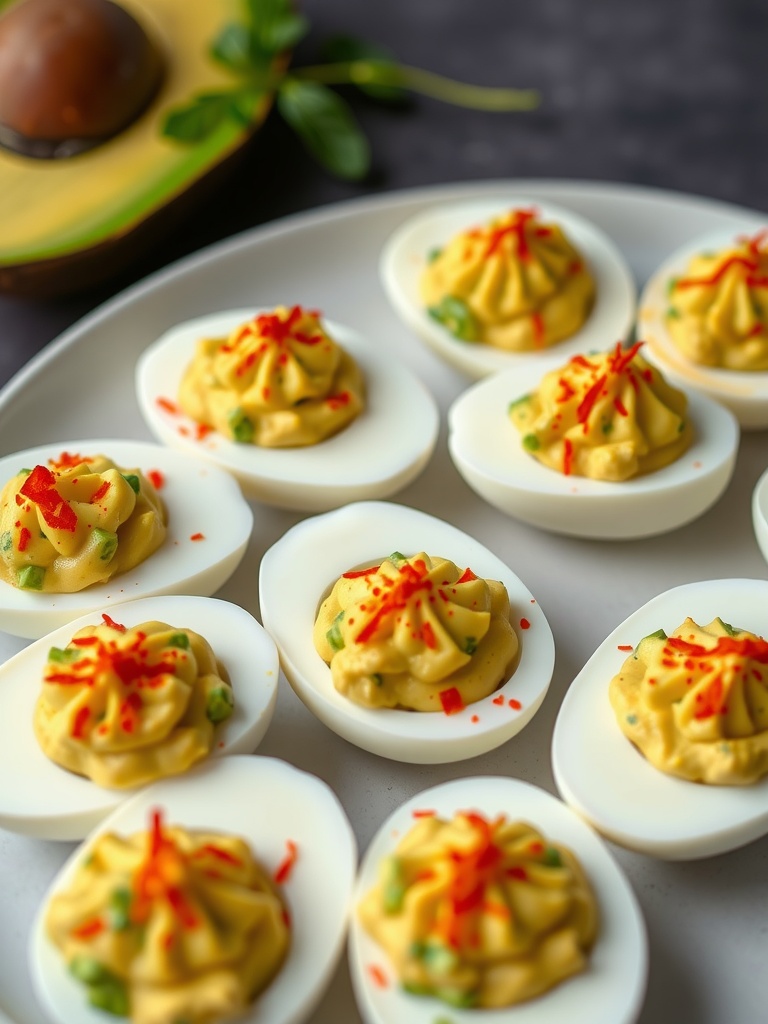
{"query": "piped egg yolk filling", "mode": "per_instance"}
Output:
(171, 925)
(278, 380)
(127, 706)
(609, 416)
(480, 913)
(515, 284)
(416, 633)
(76, 521)
(696, 703)
(718, 311)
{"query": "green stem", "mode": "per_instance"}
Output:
(460, 94)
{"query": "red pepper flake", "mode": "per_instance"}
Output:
(99, 494)
(197, 536)
(67, 460)
(498, 700)
(338, 401)
(452, 701)
(619, 406)
(475, 719)
(24, 538)
(84, 641)
(525, 624)
(357, 573)
(539, 331)
(514, 704)
(108, 621)
(518, 873)
(625, 647)
(378, 976)
(426, 813)
(168, 406)
(78, 726)
(466, 576)
(89, 929)
(285, 868)
(567, 457)
(202, 430)
(156, 478)
(428, 636)
(40, 488)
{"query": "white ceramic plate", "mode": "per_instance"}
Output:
(405, 256)
(609, 991)
(601, 774)
(378, 454)
(364, 534)
(587, 588)
(268, 803)
(760, 513)
(53, 803)
(745, 394)
(488, 452)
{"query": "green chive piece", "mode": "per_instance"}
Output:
(110, 996)
(106, 543)
(439, 958)
(133, 481)
(333, 635)
(456, 317)
(221, 704)
(631, 719)
(515, 403)
(729, 629)
(6, 541)
(120, 909)
(180, 640)
(531, 443)
(415, 989)
(24, 472)
(393, 884)
(31, 577)
(672, 284)
(63, 656)
(241, 426)
(455, 997)
(673, 314)
(470, 644)
(551, 858)
(433, 254)
(88, 970)
(397, 558)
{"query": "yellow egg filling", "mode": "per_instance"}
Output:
(718, 311)
(696, 703)
(171, 925)
(609, 416)
(481, 913)
(416, 633)
(127, 706)
(76, 521)
(514, 283)
(277, 381)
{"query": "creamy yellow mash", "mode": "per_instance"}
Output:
(278, 381)
(609, 416)
(416, 633)
(127, 706)
(76, 521)
(481, 913)
(718, 311)
(169, 925)
(696, 703)
(514, 283)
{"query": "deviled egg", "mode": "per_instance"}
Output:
(298, 830)
(611, 784)
(490, 454)
(448, 329)
(609, 989)
(297, 574)
(377, 454)
(38, 797)
(209, 525)
(736, 313)
(760, 513)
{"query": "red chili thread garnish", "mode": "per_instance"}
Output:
(452, 701)
(81, 718)
(567, 457)
(100, 492)
(68, 460)
(539, 331)
(197, 536)
(410, 580)
(89, 929)
(168, 406)
(24, 538)
(378, 976)
(426, 813)
(625, 647)
(109, 621)
(285, 868)
(210, 850)
(619, 406)
(357, 573)
(471, 872)
(156, 478)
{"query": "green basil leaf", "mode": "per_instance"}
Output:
(327, 127)
(232, 48)
(199, 119)
(343, 49)
(275, 25)
(244, 103)
(285, 32)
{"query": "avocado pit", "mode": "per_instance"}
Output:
(73, 73)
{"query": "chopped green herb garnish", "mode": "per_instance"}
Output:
(441, 959)
(551, 858)
(220, 705)
(393, 884)
(31, 577)
(88, 970)
(433, 254)
(455, 315)
(110, 996)
(531, 443)
(673, 314)
(470, 644)
(63, 656)
(333, 635)
(24, 472)
(672, 284)
(180, 640)
(632, 719)
(455, 997)
(517, 402)
(242, 428)
(106, 543)
(119, 910)
(607, 427)
(133, 481)
(6, 541)
(729, 629)
(397, 558)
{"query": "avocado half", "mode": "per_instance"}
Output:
(68, 224)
